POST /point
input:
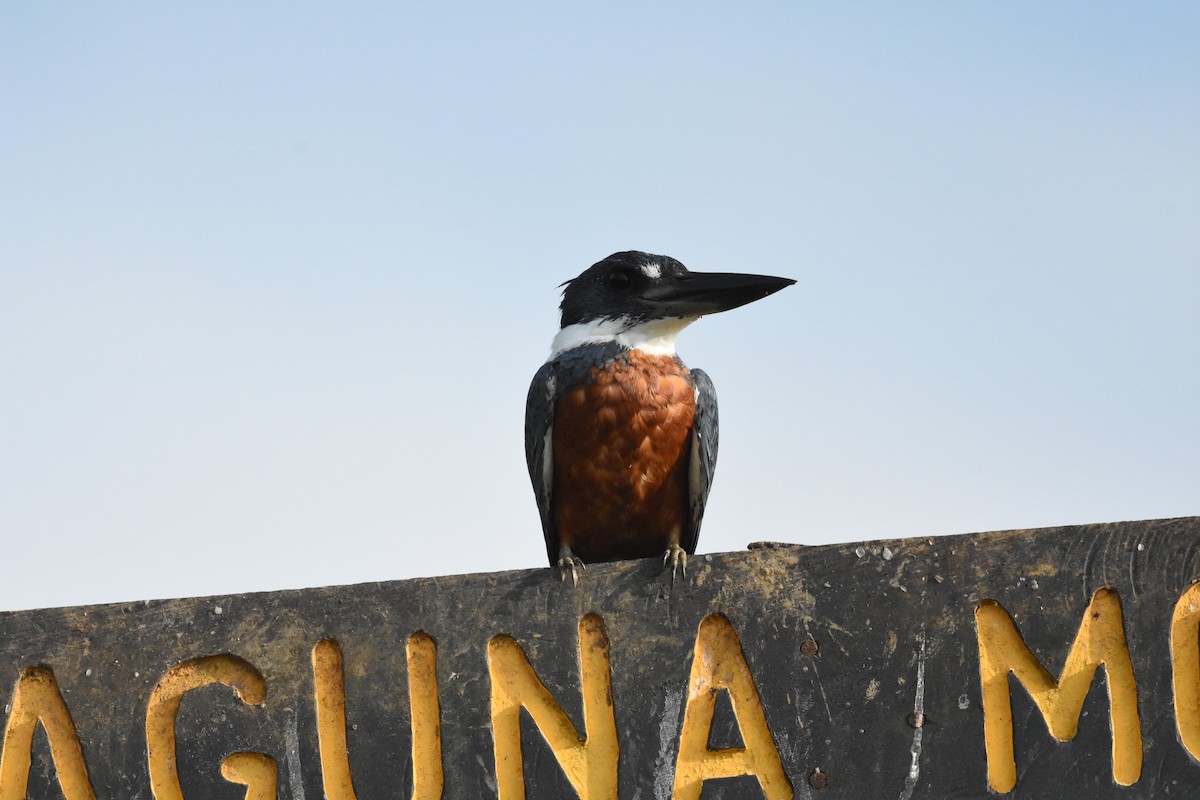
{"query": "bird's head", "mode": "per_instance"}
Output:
(644, 300)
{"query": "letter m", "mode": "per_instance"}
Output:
(1100, 640)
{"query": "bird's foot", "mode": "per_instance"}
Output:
(676, 557)
(569, 564)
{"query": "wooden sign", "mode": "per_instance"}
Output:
(1061, 663)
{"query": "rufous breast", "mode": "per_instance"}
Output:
(622, 444)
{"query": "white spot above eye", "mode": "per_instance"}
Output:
(652, 271)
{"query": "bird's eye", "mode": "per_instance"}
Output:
(619, 278)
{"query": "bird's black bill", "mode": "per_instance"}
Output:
(700, 293)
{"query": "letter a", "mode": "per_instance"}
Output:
(37, 699)
(720, 664)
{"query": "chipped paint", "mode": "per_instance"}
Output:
(914, 770)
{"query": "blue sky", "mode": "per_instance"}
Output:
(274, 277)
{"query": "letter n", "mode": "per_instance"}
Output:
(1100, 640)
(590, 764)
(37, 699)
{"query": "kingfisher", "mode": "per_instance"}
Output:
(620, 436)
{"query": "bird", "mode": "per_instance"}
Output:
(621, 437)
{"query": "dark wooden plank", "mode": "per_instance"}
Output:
(837, 638)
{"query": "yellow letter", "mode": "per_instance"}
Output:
(1185, 668)
(256, 771)
(719, 664)
(426, 717)
(590, 765)
(331, 720)
(180, 679)
(36, 698)
(1100, 640)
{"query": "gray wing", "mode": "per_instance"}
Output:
(539, 450)
(704, 455)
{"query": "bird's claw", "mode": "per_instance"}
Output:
(570, 564)
(676, 557)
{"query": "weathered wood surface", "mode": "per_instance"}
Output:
(889, 620)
